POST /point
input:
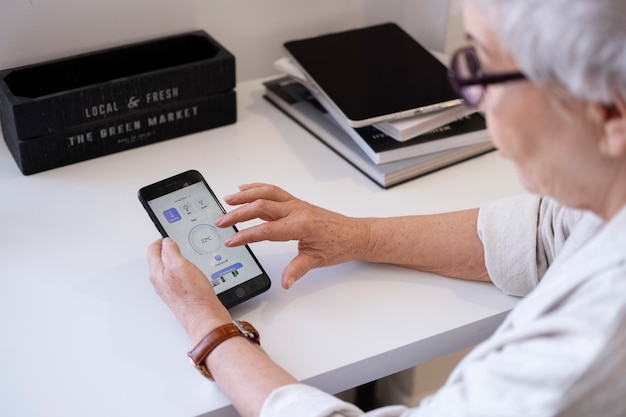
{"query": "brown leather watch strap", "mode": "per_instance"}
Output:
(198, 355)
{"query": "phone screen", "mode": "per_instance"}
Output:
(184, 208)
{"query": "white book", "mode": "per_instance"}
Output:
(410, 127)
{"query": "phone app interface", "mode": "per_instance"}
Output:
(187, 215)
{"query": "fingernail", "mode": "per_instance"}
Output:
(218, 221)
(290, 282)
(227, 241)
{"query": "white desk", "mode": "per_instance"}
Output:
(84, 334)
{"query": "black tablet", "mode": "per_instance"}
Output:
(373, 74)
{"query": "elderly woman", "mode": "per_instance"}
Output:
(550, 76)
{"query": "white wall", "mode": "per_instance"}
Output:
(37, 30)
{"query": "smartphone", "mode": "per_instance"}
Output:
(184, 208)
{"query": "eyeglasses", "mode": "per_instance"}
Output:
(468, 78)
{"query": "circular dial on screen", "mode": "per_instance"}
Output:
(204, 239)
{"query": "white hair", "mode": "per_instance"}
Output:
(580, 44)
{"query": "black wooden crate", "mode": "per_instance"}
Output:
(61, 94)
(124, 132)
(43, 105)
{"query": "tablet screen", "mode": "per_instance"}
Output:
(373, 73)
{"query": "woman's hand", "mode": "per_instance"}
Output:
(242, 369)
(324, 237)
(185, 290)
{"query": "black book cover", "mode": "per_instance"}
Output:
(381, 142)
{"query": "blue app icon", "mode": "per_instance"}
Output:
(171, 215)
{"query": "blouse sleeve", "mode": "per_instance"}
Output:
(521, 236)
(297, 400)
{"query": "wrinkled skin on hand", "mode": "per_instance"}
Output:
(185, 289)
(324, 237)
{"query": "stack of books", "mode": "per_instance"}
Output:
(391, 151)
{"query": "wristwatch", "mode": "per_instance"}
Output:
(198, 354)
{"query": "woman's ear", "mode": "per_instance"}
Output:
(613, 142)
